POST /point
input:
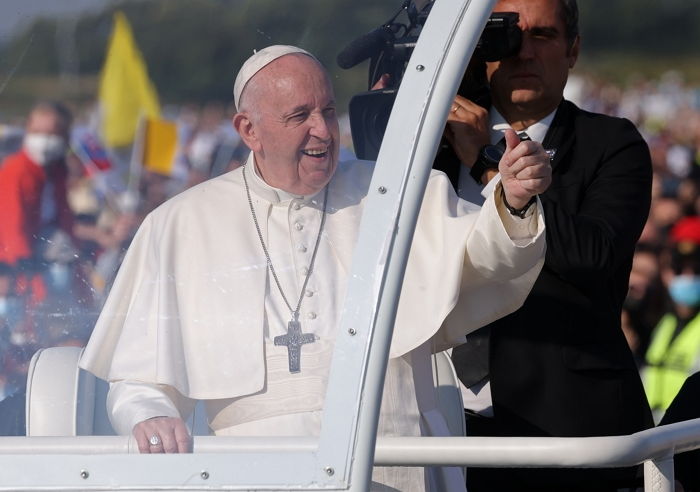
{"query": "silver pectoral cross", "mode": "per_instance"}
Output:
(293, 340)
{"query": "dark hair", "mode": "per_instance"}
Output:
(58, 108)
(569, 11)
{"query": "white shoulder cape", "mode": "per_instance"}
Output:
(186, 308)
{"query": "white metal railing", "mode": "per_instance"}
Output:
(653, 447)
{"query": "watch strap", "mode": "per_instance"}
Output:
(480, 166)
(478, 170)
(518, 212)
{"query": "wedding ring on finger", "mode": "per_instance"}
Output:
(154, 440)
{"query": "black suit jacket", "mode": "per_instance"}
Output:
(560, 365)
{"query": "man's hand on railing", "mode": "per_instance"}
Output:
(163, 435)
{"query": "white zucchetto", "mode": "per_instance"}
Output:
(257, 62)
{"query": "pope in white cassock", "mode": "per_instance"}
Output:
(221, 277)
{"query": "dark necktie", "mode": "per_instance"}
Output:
(471, 359)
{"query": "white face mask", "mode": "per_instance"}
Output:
(43, 148)
(4, 306)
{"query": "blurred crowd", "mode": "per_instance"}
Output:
(54, 297)
(664, 288)
(79, 227)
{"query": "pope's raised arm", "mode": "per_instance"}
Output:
(231, 292)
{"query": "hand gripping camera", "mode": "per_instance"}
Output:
(389, 48)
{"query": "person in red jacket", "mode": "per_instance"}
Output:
(33, 196)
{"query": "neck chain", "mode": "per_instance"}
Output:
(294, 311)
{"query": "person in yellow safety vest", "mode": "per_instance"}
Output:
(674, 351)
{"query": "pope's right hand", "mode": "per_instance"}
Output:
(163, 435)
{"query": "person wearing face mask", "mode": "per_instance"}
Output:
(674, 351)
(33, 194)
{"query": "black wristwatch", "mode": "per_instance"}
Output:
(488, 158)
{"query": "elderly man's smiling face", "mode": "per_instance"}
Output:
(288, 118)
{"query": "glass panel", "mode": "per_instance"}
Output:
(56, 269)
(108, 166)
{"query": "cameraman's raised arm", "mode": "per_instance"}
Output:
(467, 131)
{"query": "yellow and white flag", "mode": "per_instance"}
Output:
(160, 146)
(126, 94)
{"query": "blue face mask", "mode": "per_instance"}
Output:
(685, 289)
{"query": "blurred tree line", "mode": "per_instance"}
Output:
(193, 49)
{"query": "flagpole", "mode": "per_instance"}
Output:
(132, 195)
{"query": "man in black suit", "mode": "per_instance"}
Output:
(560, 365)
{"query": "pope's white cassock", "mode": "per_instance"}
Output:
(194, 310)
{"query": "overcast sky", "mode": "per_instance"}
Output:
(15, 14)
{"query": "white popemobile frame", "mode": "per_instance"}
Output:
(413, 133)
(341, 459)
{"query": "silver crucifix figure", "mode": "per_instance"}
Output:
(293, 340)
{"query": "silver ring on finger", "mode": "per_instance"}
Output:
(154, 440)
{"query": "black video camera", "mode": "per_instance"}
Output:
(389, 48)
